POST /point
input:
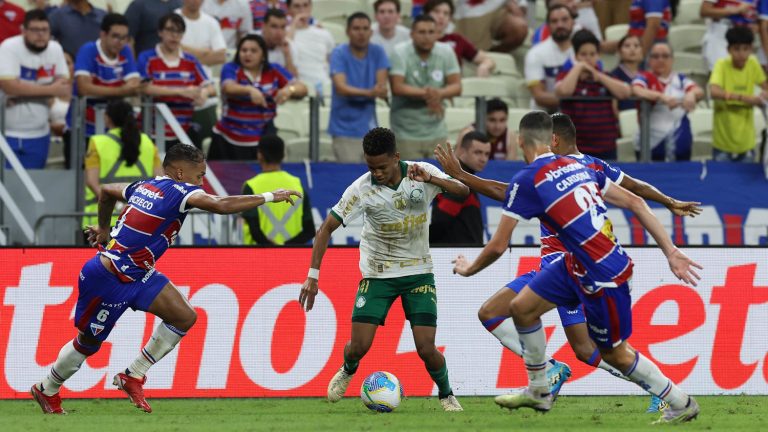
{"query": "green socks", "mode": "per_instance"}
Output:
(440, 377)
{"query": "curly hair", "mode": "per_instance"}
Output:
(379, 141)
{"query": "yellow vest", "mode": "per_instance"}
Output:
(278, 221)
(113, 169)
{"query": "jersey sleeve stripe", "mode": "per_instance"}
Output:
(183, 204)
(513, 215)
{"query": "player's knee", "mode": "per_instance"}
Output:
(357, 349)
(485, 312)
(187, 319)
(426, 351)
(618, 358)
(583, 352)
(519, 312)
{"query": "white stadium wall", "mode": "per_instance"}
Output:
(253, 340)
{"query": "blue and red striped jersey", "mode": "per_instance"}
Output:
(148, 225)
(566, 196)
(242, 122)
(640, 10)
(551, 247)
(742, 19)
(594, 119)
(106, 72)
(186, 71)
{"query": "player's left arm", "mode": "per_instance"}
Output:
(679, 263)
(491, 252)
(238, 203)
(418, 173)
(649, 192)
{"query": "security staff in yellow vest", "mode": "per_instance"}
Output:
(276, 223)
(123, 154)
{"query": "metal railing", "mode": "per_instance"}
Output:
(6, 199)
(229, 234)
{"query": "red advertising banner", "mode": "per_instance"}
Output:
(253, 340)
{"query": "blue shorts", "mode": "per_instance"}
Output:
(102, 298)
(568, 315)
(32, 152)
(608, 312)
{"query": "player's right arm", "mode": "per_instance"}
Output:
(490, 188)
(109, 195)
(323, 235)
(679, 263)
(491, 252)
(238, 203)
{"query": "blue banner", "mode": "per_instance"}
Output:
(734, 198)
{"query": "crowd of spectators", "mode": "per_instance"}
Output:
(224, 67)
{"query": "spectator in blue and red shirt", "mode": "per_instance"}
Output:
(176, 78)
(649, 20)
(103, 69)
(594, 119)
(252, 88)
(259, 10)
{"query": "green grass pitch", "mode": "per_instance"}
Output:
(571, 413)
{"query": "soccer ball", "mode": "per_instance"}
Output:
(381, 392)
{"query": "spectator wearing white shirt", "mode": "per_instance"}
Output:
(234, 17)
(387, 30)
(544, 60)
(313, 44)
(280, 50)
(32, 70)
(204, 40)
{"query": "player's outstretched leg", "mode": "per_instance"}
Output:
(585, 349)
(494, 315)
(71, 357)
(354, 350)
(647, 375)
(178, 317)
(424, 338)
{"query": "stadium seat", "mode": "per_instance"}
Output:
(686, 38)
(688, 13)
(488, 87)
(519, 93)
(505, 65)
(628, 127)
(515, 114)
(338, 31)
(457, 119)
(693, 66)
(701, 129)
(336, 10)
(290, 121)
(616, 31)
